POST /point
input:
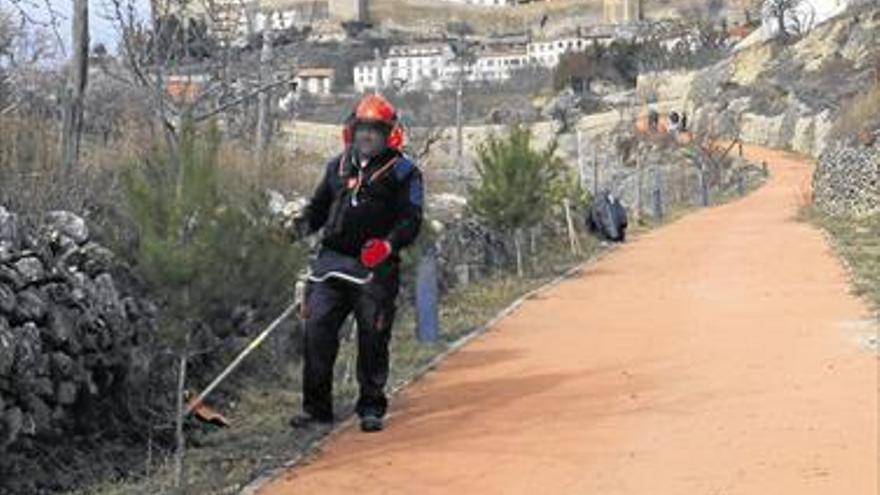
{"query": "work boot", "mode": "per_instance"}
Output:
(371, 423)
(306, 420)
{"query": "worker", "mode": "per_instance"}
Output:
(369, 207)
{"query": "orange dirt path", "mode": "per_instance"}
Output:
(717, 355)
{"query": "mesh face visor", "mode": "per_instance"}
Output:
(382, 127)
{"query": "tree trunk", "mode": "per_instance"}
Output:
(264, 99)
(77, 78)
(780, 20)
(180, 449)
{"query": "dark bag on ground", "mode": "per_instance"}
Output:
(607, 217)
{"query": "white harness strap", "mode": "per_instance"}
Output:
(341, 276)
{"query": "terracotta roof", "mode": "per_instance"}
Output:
(740, 31)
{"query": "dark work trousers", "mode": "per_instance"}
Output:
(328, 304)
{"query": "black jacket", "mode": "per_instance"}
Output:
(353, 204)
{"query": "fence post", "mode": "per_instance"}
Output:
(658, 196)
(595, 171)
(580, 159)
(638, 213)
(518, 247)
(572, 234)
(704, 183)
(427, 315)
(740, 183)
(462, 274)
(533, 241)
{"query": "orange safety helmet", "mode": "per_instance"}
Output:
(374, 108)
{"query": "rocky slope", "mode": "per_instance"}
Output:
(791, 96)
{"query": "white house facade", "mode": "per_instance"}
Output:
(315, 81)
(547, 53)
(433, 66)
(406, 67)
(499, 65)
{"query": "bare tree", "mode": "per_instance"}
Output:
(707, 24)
(784, 13)
(77, 79)
(23, 48)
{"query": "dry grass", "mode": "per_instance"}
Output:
(25, 141)
(225, 460)
(860, 114)
(283, 170)
(857, 241)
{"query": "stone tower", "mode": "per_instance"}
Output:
(348, 10)
(622, 11)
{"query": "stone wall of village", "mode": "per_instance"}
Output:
(847, 180)
(74, 332)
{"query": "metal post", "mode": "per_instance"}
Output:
(428, 319)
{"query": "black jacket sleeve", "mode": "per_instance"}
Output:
(410, 199)
(318, 209)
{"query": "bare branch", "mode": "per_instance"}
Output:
(242, 99)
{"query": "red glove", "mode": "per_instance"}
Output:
(374, 252)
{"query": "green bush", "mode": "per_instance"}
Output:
(203, 245)
(519, 186)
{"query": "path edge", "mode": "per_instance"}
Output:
(261, 481)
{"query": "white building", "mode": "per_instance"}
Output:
(368, 76)
(405, 67)
(547, 53)
(433, 65)
(498, 65)
(316, 81)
